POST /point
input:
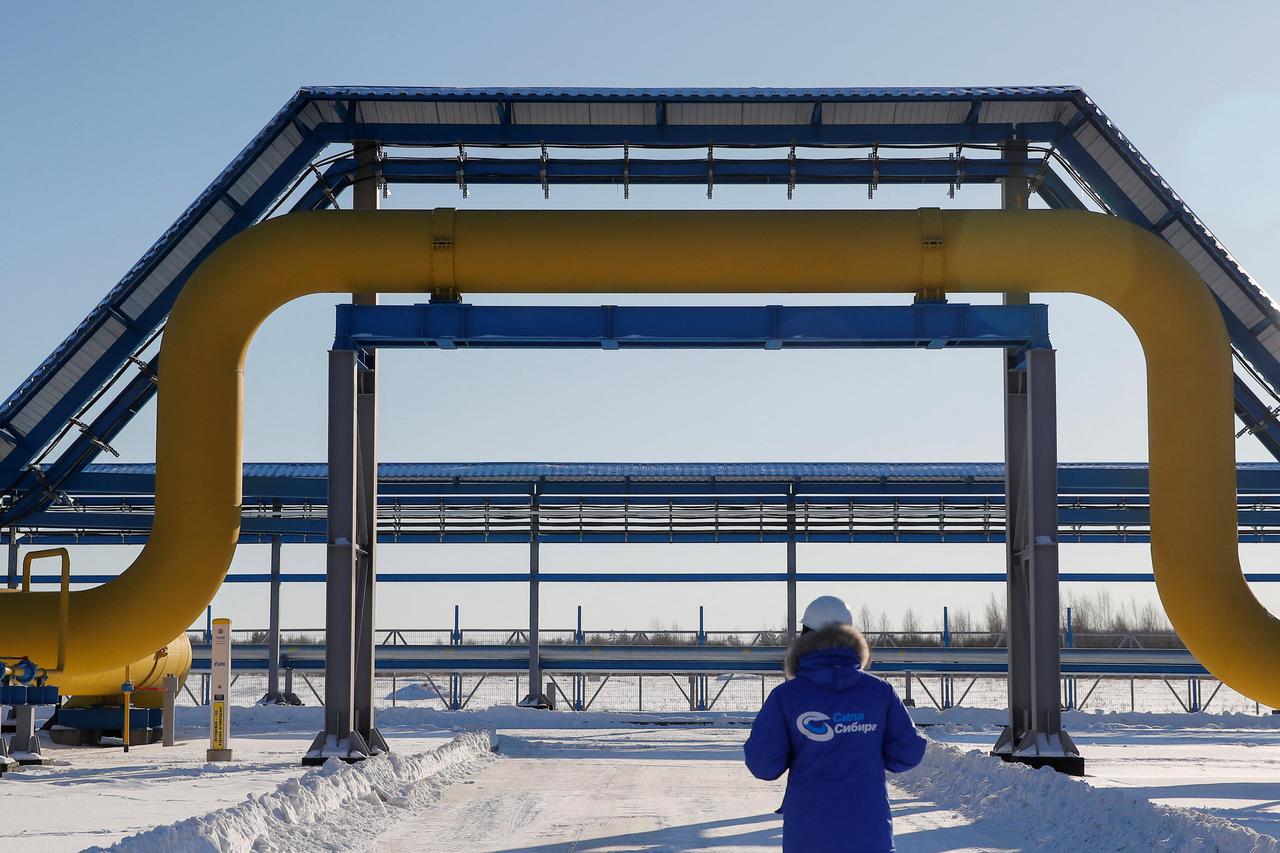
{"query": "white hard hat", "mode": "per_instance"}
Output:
(825, 611)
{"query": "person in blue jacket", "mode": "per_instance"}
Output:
(837, 729)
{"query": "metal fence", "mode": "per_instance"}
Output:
(725, 692)
(737, 692)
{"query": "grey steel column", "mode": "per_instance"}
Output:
(337, 738)
(273, 696)
(535, 665)
(791, 563)
(534, 699)
(1041, 554)
(13, 558)
(364, 196)
(24, 746)
(1034, 735)
(1014, 196)
(1017, 592)
(366, 545)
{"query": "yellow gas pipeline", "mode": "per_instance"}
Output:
(147, 673)
(198, 444)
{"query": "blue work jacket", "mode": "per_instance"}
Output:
(837, 730)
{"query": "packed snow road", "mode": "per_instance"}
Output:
(646, 789)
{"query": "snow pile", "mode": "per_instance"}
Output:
(985, 719)
(314, 811)
(1177, 720)
(1055, 812)
(414, 692)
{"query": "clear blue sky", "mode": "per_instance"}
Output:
(116, 116)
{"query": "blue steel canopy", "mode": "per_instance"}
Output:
(66, 391)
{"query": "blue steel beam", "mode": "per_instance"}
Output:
(1258, 418)
(264, 482)
(1107, 535)
(38, 487)
(728, 517)
(927, 325)
(674, 577)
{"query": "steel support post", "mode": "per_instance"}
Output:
(534, 699)
(273, 639)
(365, 555)
(791, 564)
(1034, 735)
(13, 558)
(24, 746)
(273, 695)
(364, 196)
(168, 721)
(339, 738)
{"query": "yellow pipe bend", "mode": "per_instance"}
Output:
(198, 446)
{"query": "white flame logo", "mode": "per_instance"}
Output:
(815, 725)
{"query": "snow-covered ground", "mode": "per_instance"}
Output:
(623, 781)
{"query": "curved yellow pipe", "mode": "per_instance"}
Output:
(198, 447)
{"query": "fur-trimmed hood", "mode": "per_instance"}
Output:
(834, 637)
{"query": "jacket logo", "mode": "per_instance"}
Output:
(817, 726)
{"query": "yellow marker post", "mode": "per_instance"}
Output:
(220, 692)
(127, 689)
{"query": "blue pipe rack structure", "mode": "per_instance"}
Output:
(1056, 138)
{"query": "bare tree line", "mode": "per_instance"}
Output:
(1097, 620)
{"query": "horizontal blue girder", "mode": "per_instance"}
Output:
(929, 325)
(263, 482)
(678, 577)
